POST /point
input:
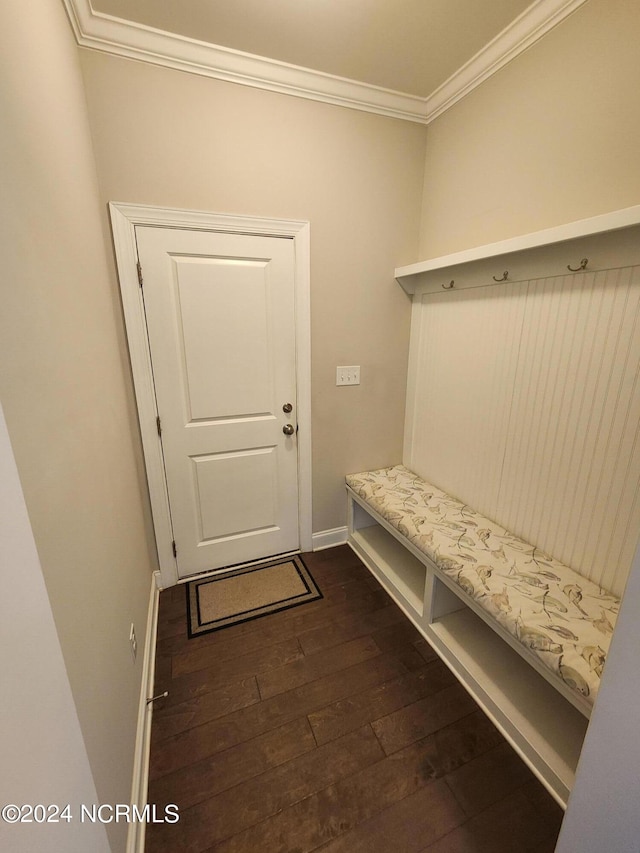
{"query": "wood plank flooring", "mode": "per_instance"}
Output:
(332, 726)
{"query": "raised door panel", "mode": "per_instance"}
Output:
(223, 319)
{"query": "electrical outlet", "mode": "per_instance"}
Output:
(348, 375)
(133, 641)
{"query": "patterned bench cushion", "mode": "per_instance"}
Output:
(564, 618)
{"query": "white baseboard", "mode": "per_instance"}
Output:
(140, 782)
(329, 538)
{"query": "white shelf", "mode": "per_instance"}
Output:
(412, 276)
(540, 724)
(404, 572)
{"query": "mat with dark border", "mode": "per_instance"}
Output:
(196, 628)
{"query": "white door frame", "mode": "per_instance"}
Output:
(124, 219)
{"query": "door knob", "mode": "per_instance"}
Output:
(288, 429)
(287, 408)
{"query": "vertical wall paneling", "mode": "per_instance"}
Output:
(462, 390)
(524, 401)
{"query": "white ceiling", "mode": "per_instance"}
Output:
(409, 59)
(410, 46)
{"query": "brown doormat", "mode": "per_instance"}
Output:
(227, 598)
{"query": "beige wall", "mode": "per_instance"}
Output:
(551, 138)
(176, 140)
(44, 759)
(63, 380)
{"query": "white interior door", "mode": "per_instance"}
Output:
(220, 314)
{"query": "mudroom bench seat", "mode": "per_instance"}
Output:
(525, 634)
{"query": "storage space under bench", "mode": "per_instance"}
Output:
(543, 727)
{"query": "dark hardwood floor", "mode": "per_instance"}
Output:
(332, 726)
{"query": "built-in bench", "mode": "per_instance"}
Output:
(526, 635)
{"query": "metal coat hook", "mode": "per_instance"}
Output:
(505, 276)
(583, 265)
(159, 696)
(448, 286)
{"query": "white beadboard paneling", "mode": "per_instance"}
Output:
(623, 557)
(468, 343)
(568, 449)
(611, 486)
(574, 375)
(525, 403)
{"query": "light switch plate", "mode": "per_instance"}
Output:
(349, 375)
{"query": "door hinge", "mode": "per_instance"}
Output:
(175, 550)
(139, 268)
(159, 427)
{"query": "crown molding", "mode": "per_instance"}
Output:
(97, 31)
(525, 30)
